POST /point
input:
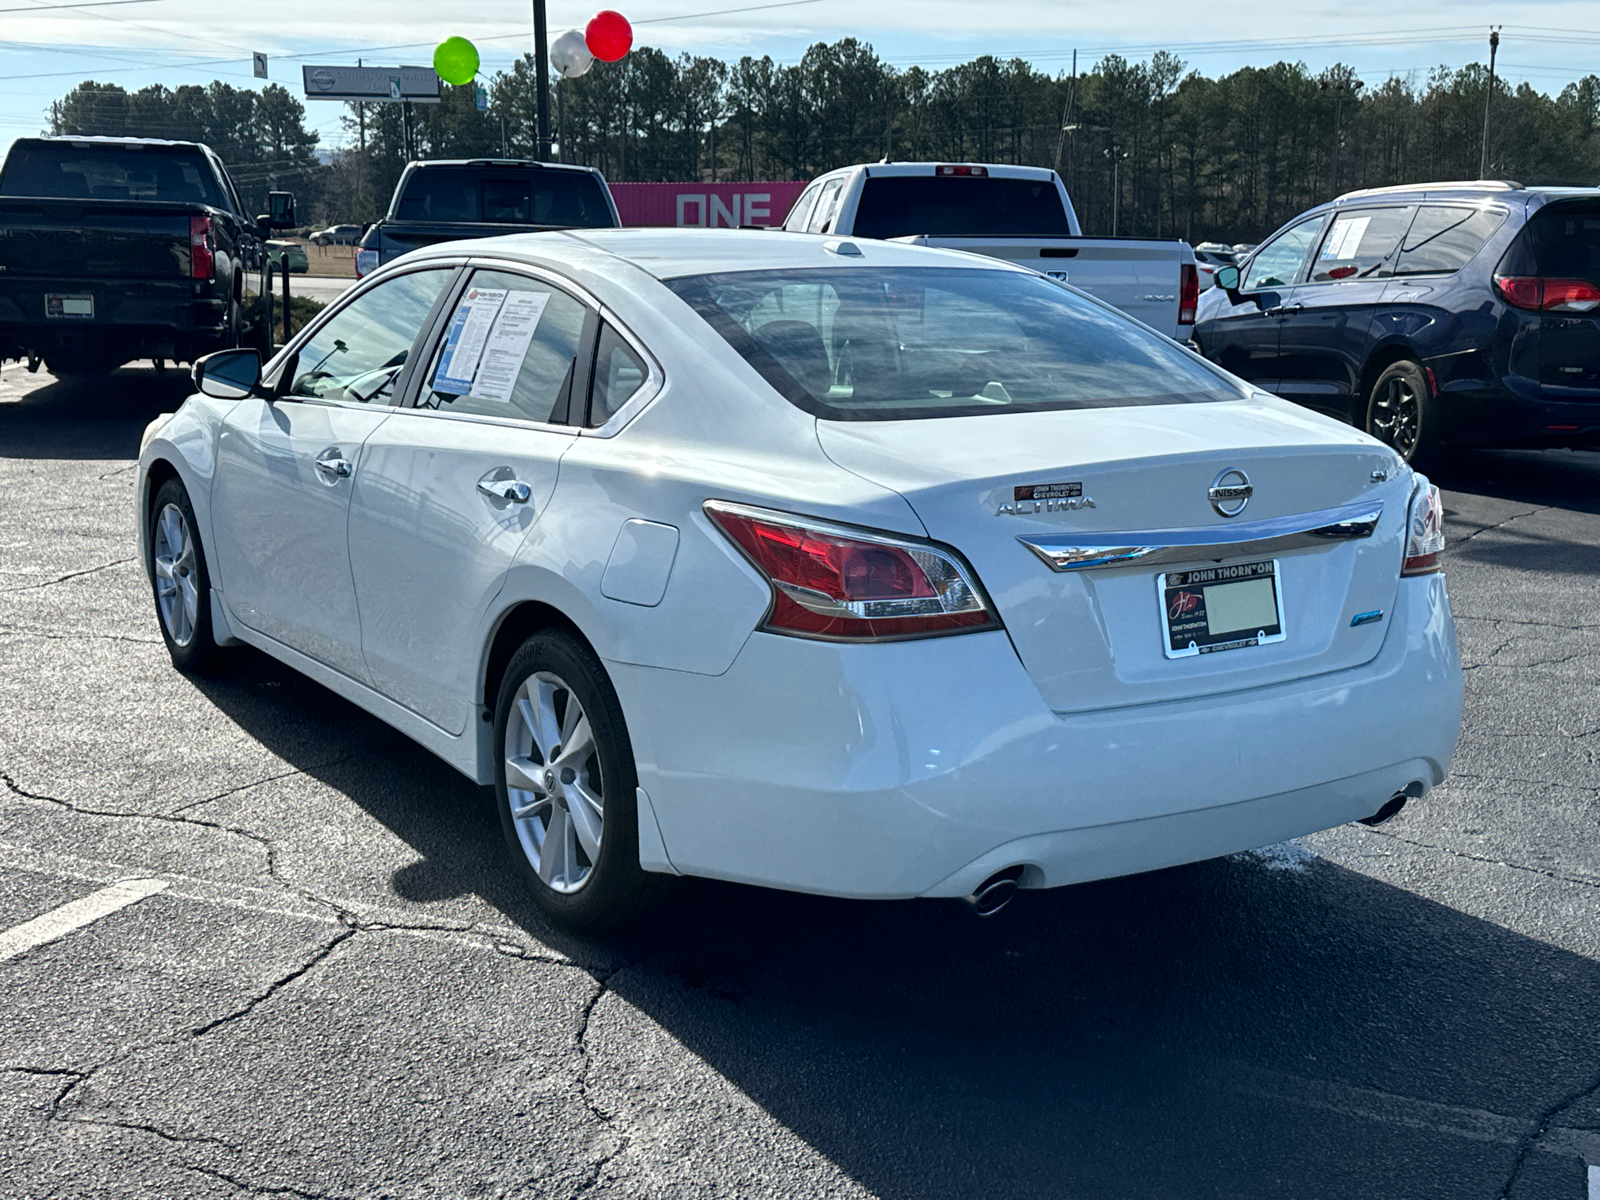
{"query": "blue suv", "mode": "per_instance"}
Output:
(1440, 315)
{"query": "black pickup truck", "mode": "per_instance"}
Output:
(114, 249)
(445, 200)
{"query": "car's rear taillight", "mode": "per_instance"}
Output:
(1188, 294)
(964, 172)
(1424, 530)
(202, 262)
(1548, 295)
(845, 584)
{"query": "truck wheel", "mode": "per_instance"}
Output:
(180, 581)
(1403, 414)
(565, 786)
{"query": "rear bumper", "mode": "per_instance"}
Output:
(920, 768)
(1514, 410)
(129, 315)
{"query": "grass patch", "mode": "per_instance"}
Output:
(301, 309)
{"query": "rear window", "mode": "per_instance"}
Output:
(1360, 245)
(64, 171)
(1562, 241)
(960, 206)
(875, 344)
(1444, 239)
(514, 197)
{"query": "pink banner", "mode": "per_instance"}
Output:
(713, 205)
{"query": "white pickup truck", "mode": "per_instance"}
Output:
(1020, 214)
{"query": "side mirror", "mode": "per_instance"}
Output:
(227, 374)
(264, 227)
(280, 210)
(1227, 278)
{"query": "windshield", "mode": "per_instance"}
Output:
(960, 206)
(883, 344)
(511, 196)
(85, 171)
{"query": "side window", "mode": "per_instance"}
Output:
(795, 222)
(359, 353)
(827, 201)
(618, 374)
(1361, 245)
(1443, 239)
(510, 350)
(1277, 264)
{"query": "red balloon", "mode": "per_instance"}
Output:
(608, 35)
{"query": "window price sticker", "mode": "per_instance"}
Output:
(488, 340)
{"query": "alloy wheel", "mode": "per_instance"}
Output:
(1397, 416)
(177, 592)
(553, 782)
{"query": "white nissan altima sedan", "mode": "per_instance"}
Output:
(844, 567)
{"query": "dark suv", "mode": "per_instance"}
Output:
(1441, 315)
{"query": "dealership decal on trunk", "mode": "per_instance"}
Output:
(1045, 497)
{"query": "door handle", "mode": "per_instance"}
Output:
(1285, 310)
(513, 490)
(338, 467)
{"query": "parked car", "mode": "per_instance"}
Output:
(1442, 315)
(1208, 257)
(113, 249)
(885, 573)
(1018, 214)
(450, 199)
(336, 235)
(293, 253)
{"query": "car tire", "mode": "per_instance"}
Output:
(1402, 413)
(180, 581)
(569, 813)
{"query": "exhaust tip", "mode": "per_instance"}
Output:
(994, 893)
(1390, 809)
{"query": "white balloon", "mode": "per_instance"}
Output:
(569, 54)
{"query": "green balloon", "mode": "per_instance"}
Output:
(456, 60)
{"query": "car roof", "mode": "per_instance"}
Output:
(503, 163)
(668, 253)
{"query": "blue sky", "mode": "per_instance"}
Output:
(157, 41)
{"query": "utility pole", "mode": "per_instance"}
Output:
(1483, 158)
(1066, 114)
(361, 119)
(1116, 154)
(541, 70)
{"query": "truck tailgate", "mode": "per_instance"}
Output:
(1140, 276)
(94, 239)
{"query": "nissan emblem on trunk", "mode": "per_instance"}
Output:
(1230, 492)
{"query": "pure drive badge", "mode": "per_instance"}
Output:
(1044, 498)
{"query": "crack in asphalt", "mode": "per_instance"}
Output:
(1502, 524)
(72, 635)
(261, 1189)
(1486, 859)
(581, 1040)
(1542, 1126)
(277, 985)
(29, 587)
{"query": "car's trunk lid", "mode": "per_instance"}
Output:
(1093, 638)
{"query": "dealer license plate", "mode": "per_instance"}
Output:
(1221, 608)
(79, 307)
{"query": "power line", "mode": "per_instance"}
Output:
(35, 8)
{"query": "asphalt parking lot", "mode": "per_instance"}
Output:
(340, 990)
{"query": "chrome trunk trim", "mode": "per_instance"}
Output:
(1085, 551)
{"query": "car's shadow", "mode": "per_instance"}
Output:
(91, 418)
(1226, 1029)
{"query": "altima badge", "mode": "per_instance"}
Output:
(1230, 492)
(1045, 497)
